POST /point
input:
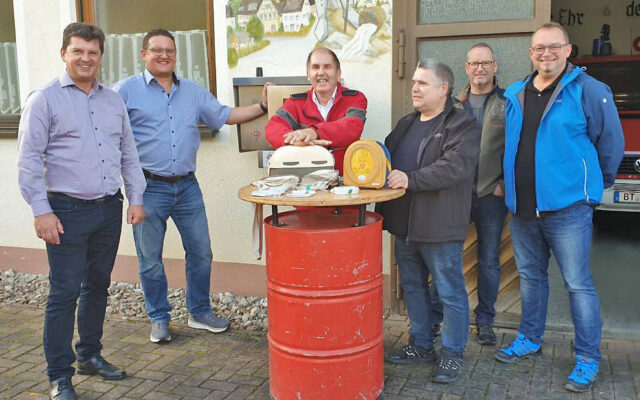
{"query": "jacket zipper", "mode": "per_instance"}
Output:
(409, 222)
(440, 127)
(554, 95)
(584, 162)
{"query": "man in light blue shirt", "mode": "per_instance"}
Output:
(164, 112)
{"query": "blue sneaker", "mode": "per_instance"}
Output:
(583, 375)
(519, 349)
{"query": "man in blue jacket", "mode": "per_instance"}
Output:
(563, 146)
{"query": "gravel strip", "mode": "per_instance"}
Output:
(126, 301)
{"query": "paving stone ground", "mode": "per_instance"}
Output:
(234, 365)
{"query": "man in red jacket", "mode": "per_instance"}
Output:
(329, 115)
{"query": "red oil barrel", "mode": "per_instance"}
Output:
(324, 278)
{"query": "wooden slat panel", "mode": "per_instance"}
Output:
(508, 271)
(509, 289)
(509, 295)
(472, 237)
(509, 274)
(508, 302)
(470, 259)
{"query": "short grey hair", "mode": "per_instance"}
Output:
(441, 70)
(482, 45)
(553, 25)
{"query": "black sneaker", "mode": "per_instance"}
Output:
(486, 336)
(449, 367)
(411, 354)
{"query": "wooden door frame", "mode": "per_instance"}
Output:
(407, 32)
(86, 12)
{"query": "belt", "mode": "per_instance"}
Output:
(99, 200)
(168, 179)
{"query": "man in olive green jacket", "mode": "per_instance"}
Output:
(484, 100)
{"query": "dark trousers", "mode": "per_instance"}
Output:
(79, 272)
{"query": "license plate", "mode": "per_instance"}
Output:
(626, 197)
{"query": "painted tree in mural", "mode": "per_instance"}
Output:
(235, 4)
(232, 57)
(255, 29)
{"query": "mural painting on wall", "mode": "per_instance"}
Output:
(357, 30)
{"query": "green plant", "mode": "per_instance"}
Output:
(232, 57)
(255, 29)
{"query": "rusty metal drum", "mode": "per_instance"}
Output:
(324, 277)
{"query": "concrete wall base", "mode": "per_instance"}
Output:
(239, 279)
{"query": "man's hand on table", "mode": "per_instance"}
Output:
(398, 179)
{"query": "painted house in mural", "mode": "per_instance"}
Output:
(265, 10)
(294, 14)
(269, 15)
(247, 9)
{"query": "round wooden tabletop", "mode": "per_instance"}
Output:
(324, 198)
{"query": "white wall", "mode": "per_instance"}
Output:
(39, 25)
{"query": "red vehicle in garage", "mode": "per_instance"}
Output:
(622, 74)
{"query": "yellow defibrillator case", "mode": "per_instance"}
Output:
(367, 164)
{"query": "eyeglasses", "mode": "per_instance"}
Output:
(554, 48)
(158, 51)
(476, 64)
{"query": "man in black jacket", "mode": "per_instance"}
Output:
(434, 152)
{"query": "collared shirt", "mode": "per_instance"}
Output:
(165, 125)
(478, 105)
(535, 102)
(76, 143)
(324, 110)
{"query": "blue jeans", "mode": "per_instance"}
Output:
(488, 213)
(444, 261)
(79, 272)
(568, 234)
(182, 201)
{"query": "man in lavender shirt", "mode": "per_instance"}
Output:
(75, 149)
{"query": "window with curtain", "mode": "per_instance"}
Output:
(9, 88)
(125, 22)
